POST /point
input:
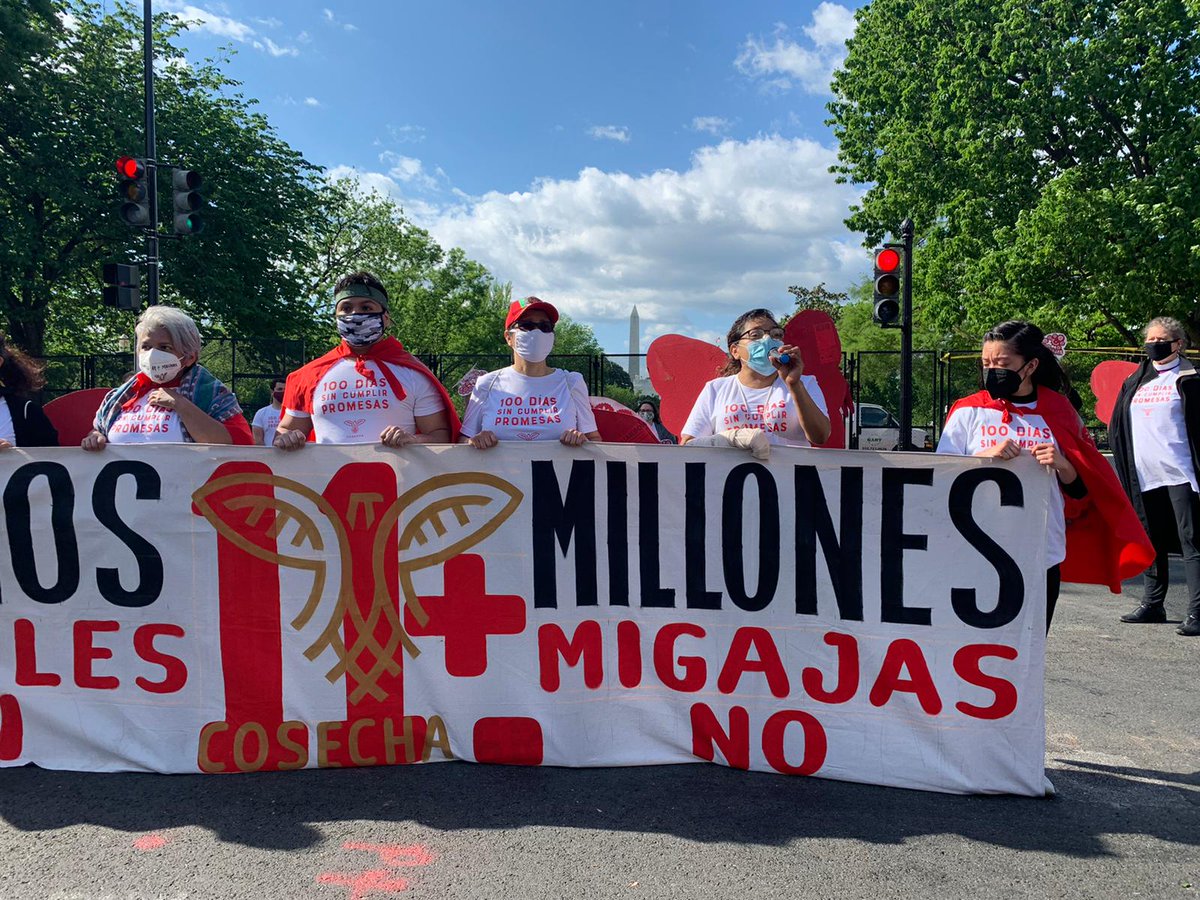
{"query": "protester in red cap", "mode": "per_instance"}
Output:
(368, 388)
(529, 401)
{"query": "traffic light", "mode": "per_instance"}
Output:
(188, 201)
(134, 192)
(887, 287)
(121, 284)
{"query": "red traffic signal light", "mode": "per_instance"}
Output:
(129, 167)
(134, 191)
(887, 287)
(887, 260)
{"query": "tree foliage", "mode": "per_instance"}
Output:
(1046, 152)
(278, 236)
(819, 298)
(82, 108)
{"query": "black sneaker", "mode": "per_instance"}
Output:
(1190, 627)
(1146, 613)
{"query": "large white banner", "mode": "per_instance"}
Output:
(852, 615)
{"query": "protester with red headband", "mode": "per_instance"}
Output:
(1093, 535)
(368, 388)
(529, 401)
(172, 398)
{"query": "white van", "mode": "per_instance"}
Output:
(880, 430)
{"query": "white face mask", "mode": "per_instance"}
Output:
(159, 365)
(533, 346)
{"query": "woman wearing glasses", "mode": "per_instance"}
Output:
(529, 401)
(762, 397)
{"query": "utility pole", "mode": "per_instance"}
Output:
(906, 331)
(151, 156)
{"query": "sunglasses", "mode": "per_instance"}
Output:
(546, 327)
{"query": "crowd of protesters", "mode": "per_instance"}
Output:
(370, 389)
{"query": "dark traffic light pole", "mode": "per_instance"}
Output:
(151, 159)
(906, 329)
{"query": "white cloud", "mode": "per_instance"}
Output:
(406, 134)
(617, 133)
(333, 20)
(711, 124)
(692, 249)
(276, 50)
(742, 223)
(311, 101)
(832, 25)
(780, 62)
(224, 26)
(267, 23)
(409, 170)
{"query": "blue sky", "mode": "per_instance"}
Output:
(671, 155)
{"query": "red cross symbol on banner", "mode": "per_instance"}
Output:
(466, 614)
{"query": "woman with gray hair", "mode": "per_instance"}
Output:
(1155, 437)
(172, 398)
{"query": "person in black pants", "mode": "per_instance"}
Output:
(22, 422)
(1155, 437)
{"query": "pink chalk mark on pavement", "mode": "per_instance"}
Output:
(150, 842)
(374, 881)
(378, 881)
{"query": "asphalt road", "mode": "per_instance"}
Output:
(1123, 750)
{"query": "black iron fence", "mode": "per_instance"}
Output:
(940, 377)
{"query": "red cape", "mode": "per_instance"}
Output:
(1106, 543)
(302, 382)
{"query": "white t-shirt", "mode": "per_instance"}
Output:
(518, 407)
(145, 423)
(267, 419)
(726, 403)
(7, 433)
(348, 409)
(971, 429)
(1160, 446)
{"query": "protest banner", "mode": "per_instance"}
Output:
(852, 615)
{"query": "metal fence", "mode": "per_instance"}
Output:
(940, 377)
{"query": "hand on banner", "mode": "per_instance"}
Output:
(573, 438)
(485, 440)
(1006, 449)
(395, 436)
(163, 398)
(791, 370)
(289, 439)
(93, 441)
(1048, 455)
(5, 445)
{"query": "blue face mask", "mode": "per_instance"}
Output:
(759, 357)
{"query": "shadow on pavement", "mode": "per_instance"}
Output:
(1133, 772)
(703, 803)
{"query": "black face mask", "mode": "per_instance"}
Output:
(1001, 383)
(1159, 350)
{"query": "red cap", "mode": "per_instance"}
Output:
(518, 308)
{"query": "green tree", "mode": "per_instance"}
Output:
(82, 108)
(1045, 151)
(818, 298)
(441, 301)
